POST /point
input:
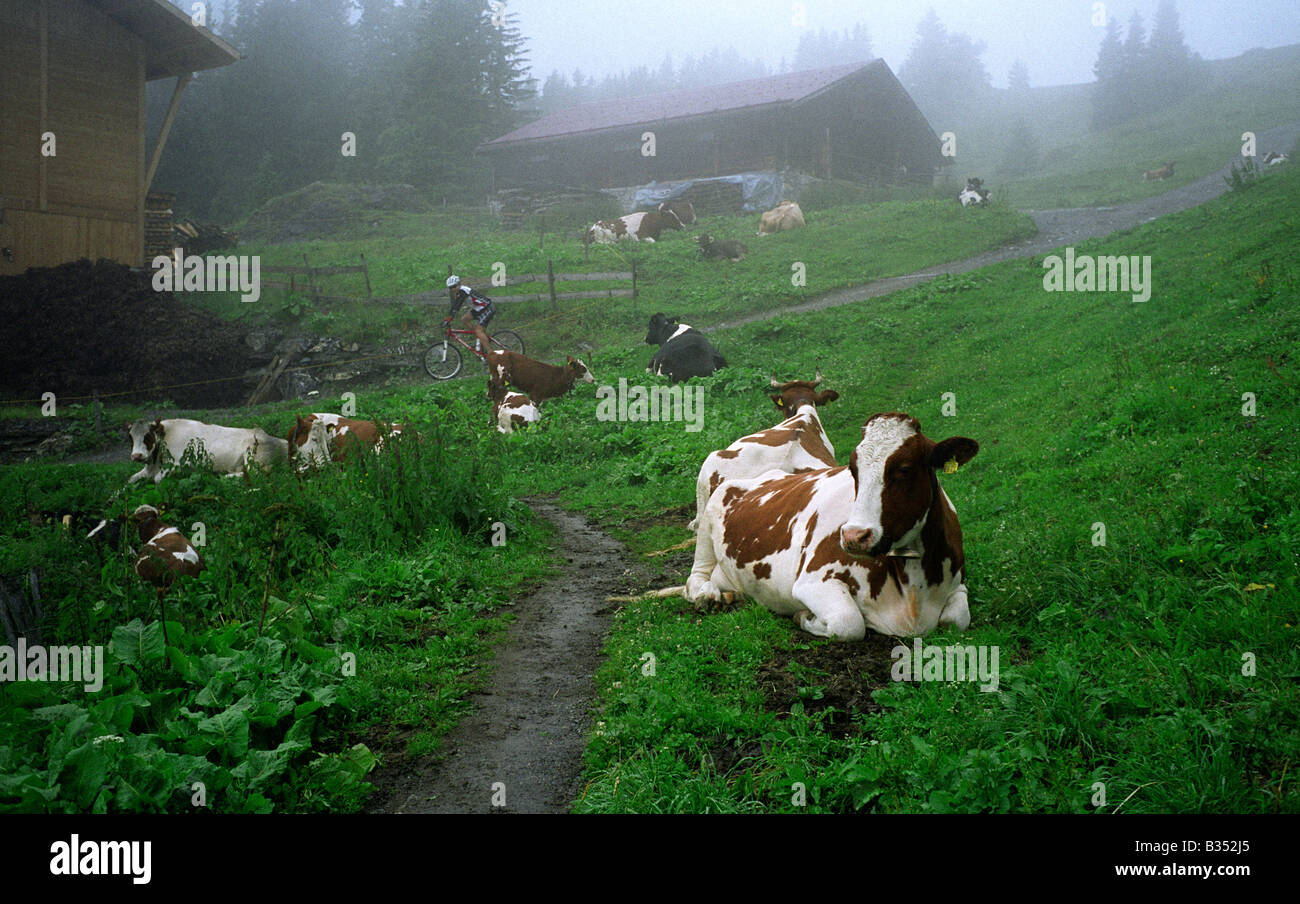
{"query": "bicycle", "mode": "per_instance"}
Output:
(443, 361)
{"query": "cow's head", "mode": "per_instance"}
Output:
(895, 483)
(315, 446)
(792, 396)
(577, 371)
(300, 430)
(145, 438)
(661, 329)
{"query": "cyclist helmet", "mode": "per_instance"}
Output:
(453, 281)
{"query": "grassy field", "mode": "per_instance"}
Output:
(1123, 664)
(341, 622)
(841, 246)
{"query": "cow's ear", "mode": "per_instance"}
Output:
(777, 399)
(954, 448)
(829, 395)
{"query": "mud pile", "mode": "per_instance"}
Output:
(80, 327)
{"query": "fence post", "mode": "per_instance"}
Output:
(550, 281)
(311, 279)
(365, 268)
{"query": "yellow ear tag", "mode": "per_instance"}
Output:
(950, 466)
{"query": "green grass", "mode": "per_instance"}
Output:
(341, 622)
(841, 246)
(1121, 663)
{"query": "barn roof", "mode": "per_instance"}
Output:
(173, 44)
(789, 88)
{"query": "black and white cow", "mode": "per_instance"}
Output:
(684, 351)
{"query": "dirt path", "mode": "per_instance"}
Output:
(530, 724)
(1056, 228)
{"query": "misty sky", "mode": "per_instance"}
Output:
(1054, 37)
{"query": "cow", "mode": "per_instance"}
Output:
(345, 434)
(639, 227)
(680, 212)
(536, 380)
(730, 249)
(165, 555)
(1159, 175)
(511, 409)
(1273, 158)
(229, 448)
(974, 194)
(684, 351)
(873, 545)
(314, 451)
(796, 444)
(783, 216)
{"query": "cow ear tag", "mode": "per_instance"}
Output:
(950, 466)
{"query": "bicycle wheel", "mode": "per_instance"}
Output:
(442, 361)
(508, 340)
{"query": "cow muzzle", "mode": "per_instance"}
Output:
(139, 456)
(863, 542)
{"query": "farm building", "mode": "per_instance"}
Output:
(848, 122)
(75, 166)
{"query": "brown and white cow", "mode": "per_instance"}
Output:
(639, 227)
(1159, 175)
(164, 556)
(511, 409)
(786, 215)
(346, 435)
(872, 545)
(537, 380)
(228, 448)
(796, 444)
(679, 213)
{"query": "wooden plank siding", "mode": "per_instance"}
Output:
(70, 69)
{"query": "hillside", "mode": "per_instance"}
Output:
(1079, 167)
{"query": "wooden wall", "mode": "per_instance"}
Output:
(66, 68)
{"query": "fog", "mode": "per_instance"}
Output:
(1055, 38)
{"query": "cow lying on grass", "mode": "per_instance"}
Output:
(974, 194)
(798, 443)
(1159, 175)
(537, 380)
(786, 215)
(874, 545)
(511, 409)
(684, 351)
(228, 448)
(346, 435)
(729, 249)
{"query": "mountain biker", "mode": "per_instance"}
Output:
(481, 309)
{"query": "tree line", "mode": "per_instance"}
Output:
(419, 84)
(1137, 75)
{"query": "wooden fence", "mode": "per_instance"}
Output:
(310, 281)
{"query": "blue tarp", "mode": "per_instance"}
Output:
(760, 191)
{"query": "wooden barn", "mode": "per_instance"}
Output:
(75, 165)
(847, 122)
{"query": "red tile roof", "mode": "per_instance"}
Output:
(631, 111)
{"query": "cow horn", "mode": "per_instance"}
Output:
(818, 378)
(774, 383)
